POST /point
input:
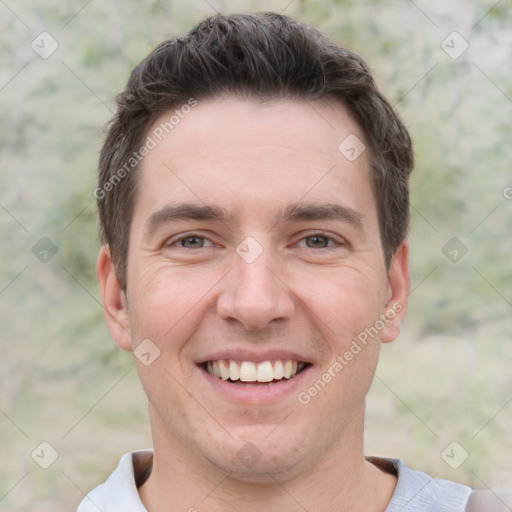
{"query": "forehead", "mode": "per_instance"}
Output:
(247, 154)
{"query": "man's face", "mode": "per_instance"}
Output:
(255, 240)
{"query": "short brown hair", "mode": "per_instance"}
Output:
(263, 56)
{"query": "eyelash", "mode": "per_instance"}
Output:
(173, 242)
(332, 241)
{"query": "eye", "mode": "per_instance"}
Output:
(317, 241)
(193, 242)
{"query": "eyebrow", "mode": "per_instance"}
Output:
(305, 212)
(292, 213)
(185, 211)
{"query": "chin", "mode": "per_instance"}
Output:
(261, 460)
(265, 471)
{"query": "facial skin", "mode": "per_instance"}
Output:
(275, 173)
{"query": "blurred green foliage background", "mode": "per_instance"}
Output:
(64, 381)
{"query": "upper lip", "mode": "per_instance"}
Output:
(254, 356)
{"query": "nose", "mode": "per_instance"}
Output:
(254, 294)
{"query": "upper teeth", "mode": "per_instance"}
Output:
(247, 371)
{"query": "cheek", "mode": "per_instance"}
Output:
(342, 303)
(168, 302)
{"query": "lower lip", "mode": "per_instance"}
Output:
(259, 393)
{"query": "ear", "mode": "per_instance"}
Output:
(115, 307)
(399, 282)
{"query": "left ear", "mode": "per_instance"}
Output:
(399, 282)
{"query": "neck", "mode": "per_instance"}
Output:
(341, 480)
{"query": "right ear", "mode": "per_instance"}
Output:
(115, 307)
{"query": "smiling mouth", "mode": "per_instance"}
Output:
(240, 372)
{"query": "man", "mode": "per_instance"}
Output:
(253, 201)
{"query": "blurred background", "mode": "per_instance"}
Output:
(70, 401)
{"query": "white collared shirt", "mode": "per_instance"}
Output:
(415, 491)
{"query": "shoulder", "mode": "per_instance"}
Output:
(119, 492)
(94, 500)
(497, 500)
(419, 492)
